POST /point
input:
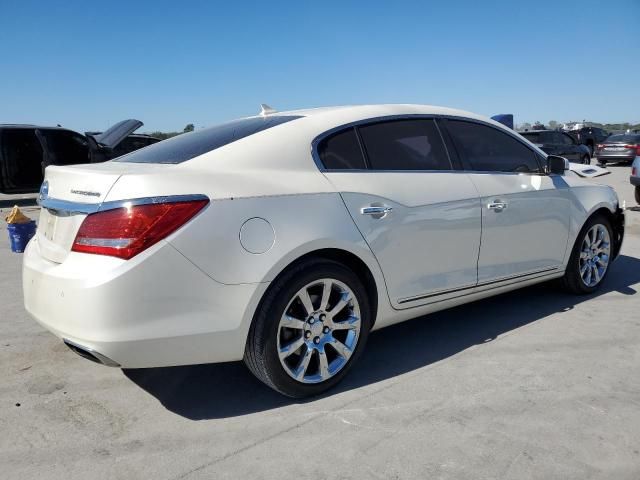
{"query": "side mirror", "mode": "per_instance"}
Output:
(557, 165)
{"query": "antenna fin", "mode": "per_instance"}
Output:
(266, 109)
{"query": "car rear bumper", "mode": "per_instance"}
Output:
(154, 310)
(615, 157)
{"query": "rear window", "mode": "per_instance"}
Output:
(189, 145)
(626, 138)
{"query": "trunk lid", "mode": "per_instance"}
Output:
(112, 137)
(70, 193)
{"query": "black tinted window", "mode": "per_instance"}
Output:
(564, 139)
(20, 160)
(341, 151)
(189, 145)
(488, 149)
(404, 145)
(625, 137)
(65, 147)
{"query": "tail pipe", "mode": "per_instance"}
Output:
(90, 354)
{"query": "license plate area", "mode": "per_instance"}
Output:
(56, 233)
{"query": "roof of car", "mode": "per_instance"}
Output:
(374, 110)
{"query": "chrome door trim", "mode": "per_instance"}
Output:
(68, 207)
(519, 277)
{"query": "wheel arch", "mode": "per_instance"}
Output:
(370, 277)
(616, 219)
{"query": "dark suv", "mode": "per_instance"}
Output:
(26, 150)
(590, 136)
(556, 142)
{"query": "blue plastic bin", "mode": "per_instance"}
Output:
(20, 234)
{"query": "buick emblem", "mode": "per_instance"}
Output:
(44, 191)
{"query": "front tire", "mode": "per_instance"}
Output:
(590, 258)
(310, 328)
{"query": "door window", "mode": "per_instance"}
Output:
(65, 147)
(341, 151)
(487, 149)
(20, 159)
(404, 145)
(564, 139)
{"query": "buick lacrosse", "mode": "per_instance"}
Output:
(283, 239)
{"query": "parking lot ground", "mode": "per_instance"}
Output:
(532, 384)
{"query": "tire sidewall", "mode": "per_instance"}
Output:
(273, 312)
(573, 268)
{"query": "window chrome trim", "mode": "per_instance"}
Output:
(421, 116)
(67, 207)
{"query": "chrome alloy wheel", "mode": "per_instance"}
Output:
(318, 331)
(594, 255)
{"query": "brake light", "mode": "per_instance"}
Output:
(127, 231)
(600, 146)
(637, 148)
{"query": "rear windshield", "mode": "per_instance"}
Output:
(626, 138)
(189, 145)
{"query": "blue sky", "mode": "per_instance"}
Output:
(87, 65)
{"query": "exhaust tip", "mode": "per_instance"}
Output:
(90, 354)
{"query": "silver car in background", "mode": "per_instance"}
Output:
(623, 147)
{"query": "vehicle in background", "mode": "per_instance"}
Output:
(26, 150)
(589, 136)
(556, 142)
(624, 147)
(635, 177)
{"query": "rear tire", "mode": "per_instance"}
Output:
(637, 194)
(591, 257)
(303, 341)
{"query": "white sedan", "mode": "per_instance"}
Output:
(283, 239)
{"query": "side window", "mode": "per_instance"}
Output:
(565, 139)
(21, 154)
(341, 151)
(548, 138)
(488, 149)
(65, 147)
(404, 145)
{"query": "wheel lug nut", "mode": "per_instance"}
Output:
(325, 329)
(322, 317)
(311, 321)
(316, 340)
(307, 334)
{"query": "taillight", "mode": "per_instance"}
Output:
(637, 148)
(633, 171)
(600, 146)
(125, 232)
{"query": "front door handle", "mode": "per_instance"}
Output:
(376, 211)
(497, 206)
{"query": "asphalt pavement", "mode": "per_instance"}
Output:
(531, 384)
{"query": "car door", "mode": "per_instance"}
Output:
(525, 213)
(569, 147)
(420, 218)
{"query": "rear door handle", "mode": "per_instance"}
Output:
(497, 206)
(376, 211)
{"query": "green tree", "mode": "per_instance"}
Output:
(189, 128)
(553, 124)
